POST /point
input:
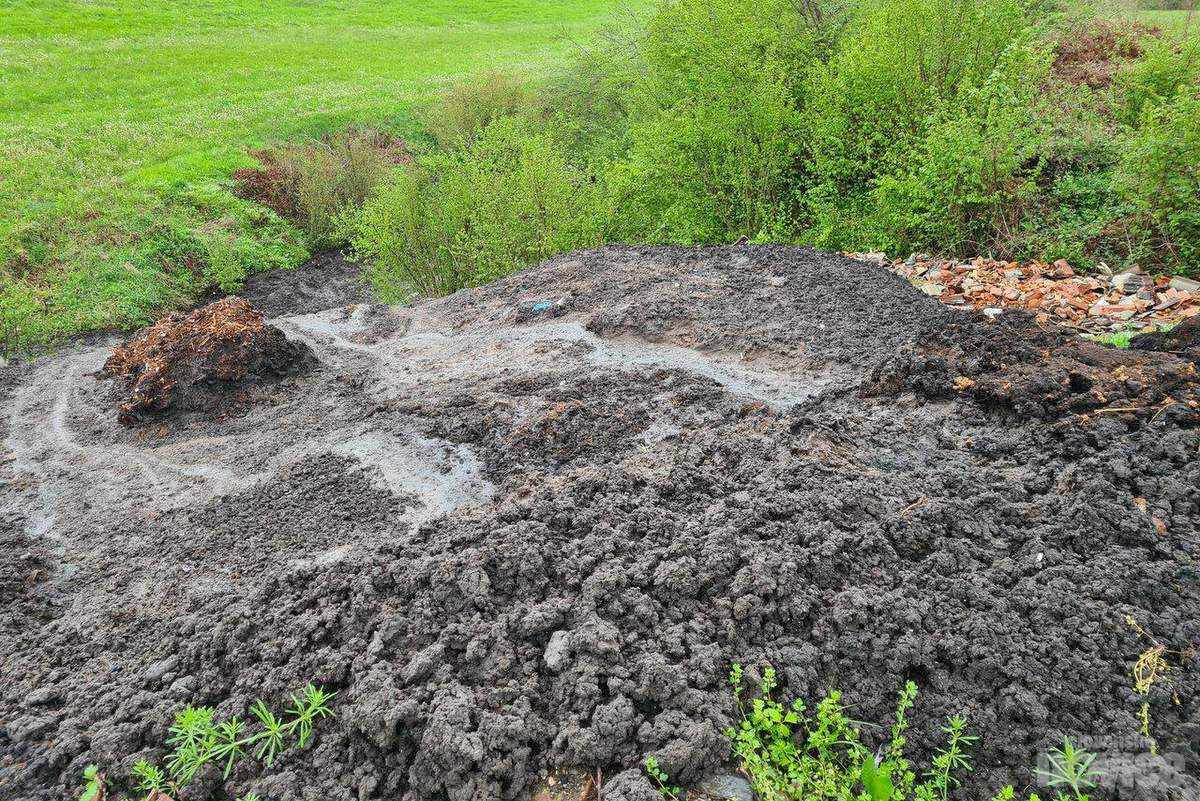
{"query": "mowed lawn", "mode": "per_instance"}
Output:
(106, 106)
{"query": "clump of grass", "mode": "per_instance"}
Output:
(21, 326)
(1121, 339)
(324, 177)
(1118, 339)
(470, 107)
(197, 739)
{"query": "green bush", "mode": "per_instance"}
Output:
(1159, 174)
(406, 233)
(1081, 218)
(1081, 135)
(470, 107)
(592, 99)
(1163, 69)
(328, 175)
(715, 126)
(965, 184)
(509, 200)
(901, 66)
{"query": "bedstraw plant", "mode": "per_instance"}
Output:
(1070, 767)
(198, 739)
(792, 754)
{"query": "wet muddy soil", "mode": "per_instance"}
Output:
(325, 281)
(528, 527)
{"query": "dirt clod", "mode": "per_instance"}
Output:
(1182, 340)
(1043, 371)
(206, 360)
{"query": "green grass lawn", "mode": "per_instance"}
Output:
(1173, 22)
(117, 116)
(1176, 23)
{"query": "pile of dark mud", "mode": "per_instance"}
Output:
(210, 360)
(326, 281)
(528, 527)
(1183, 340)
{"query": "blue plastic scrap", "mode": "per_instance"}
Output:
(542, 306)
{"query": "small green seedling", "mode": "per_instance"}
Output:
(1071, 767)
(661, 779)
(93, 790)
(197, 739)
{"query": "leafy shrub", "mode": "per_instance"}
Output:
(1164, 68)
(1159, 174)
(715, 125)
(591, 99)
(323, 177)
(1083, 219)
(406, 233)
(969, 178)
(1080, 135)
(510, 199)
(470, 107)
(900, 67)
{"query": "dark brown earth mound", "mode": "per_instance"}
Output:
(529, 527)
(1183, 340)
(207, 360)
(325, 281)
(1091, 53)
(1044, 371)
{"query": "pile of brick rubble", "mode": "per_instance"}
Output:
(1093, 304)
